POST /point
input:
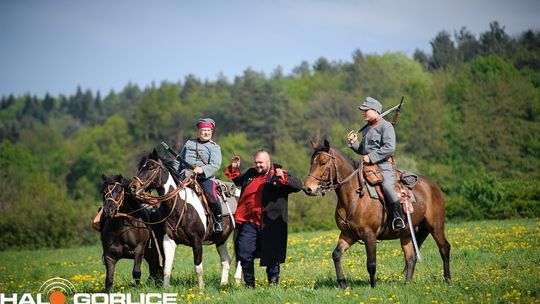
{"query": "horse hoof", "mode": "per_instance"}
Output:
(166, 281)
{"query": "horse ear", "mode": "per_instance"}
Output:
(119, 177)
(326, 145)
(313, 145)
(103, 177)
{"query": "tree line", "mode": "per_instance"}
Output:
(470, 121)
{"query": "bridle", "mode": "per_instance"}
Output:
(329, 181)
(108, 196)
(152, 176)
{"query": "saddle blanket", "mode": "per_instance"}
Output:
(373, 193)
(229, 193)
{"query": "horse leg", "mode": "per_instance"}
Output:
(110, 264)
(371, 253)
(155, 267)
(225, 262)
(136, 273)
(421, 235)
(169, 248)
(341, 247)
(197, 261)
(444, 250)
(238, 273)
(410, 257)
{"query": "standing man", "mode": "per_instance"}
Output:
(378, 147)
(204, 155)
(262, 215)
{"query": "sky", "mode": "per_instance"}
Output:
(54, 46)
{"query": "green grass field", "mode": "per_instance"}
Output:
(491, 262)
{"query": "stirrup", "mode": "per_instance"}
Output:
(398, 224)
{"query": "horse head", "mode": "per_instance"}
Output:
(151, 174)
(322, 173)
(112, 191)
(330, 169)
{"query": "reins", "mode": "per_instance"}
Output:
(154, 200)
(152, 176)
(108, 196)
(329, 185)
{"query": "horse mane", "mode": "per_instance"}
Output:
(111, 179)
(107, 180)
(144, 158)
(349, 159)
(154, 156)
(326, 148)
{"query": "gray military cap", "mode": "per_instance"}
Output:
(371, 103)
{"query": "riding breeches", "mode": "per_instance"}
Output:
(389, 182)
(210, 188)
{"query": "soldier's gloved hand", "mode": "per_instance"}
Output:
(352, 137)
(198, 170)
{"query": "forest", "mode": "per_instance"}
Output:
(470, 121)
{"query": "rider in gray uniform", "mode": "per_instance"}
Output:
(204, 155)
(377, 147)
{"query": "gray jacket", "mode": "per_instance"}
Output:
(206, 155)
(379, 143)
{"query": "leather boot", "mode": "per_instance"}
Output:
(272, 273)
(216, 209)
(397, 213)
(248, 270)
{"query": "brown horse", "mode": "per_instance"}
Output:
(123, 234)
(185, 219)
(361, 218)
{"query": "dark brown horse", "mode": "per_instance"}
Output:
(361, 218)
(186, 221)
(123, 234)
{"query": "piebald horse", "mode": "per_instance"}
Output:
(184, 218)
(361, 218)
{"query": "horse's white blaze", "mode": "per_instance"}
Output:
(225, 263)
(169, 248)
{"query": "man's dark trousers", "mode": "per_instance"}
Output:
(247, 246)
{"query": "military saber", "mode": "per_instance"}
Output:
(411, 228)
(164, 145)
(392, 109)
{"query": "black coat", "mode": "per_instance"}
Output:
(273, 242)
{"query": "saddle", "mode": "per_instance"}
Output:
(227, 192)
(371, 178)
